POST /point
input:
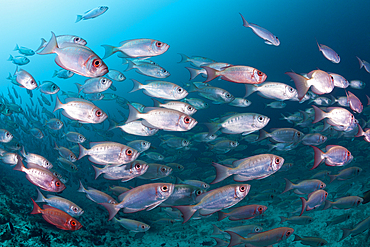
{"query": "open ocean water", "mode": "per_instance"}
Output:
(206, 32)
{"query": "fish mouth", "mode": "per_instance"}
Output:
(104, 71)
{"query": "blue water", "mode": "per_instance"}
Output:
(211, 29)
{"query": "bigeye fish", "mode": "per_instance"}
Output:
(354, 102)
(217, 66)
(40, 177)
(160, 89)
(357, 84)
(314, 139)
(203, 137)
(319, 81)
(137, 48)
(240, 102)
(63, 74)
(24, 50)
(284, 135)
(345, 174)
(139, 145)
(339, 81)
(63, 41)
(328, 53)
(96, 195)
(269, 38)
(116, 75)
(65, 153)
(315, 199)
(175, 142)
(24, 79)
(166, 119)
(237, 74)
(156, 171)
(74, 137)
(54, 124)
(272, 90)
(311, 241)
(57, 217)
(344, 202)
(337, 116)
(266, 238)
(137, 128)
(5, 136)
(76, 58)
(197, 103)
(196, 61)
(132, 225)
(335, 156)
(243, 213)
(61, 203)
(94, 85)
(124, 173)
(67, 165)
(82, 110)
(19, 60)
(176, 105)
(36, 159)
(242, 123)
(104, 153)
(215, 200)
(148, 69)
(49, 87)
(92, 13)
(304, 187)
(364, 64)
(216, 94)
(254, 167)
(183, 194)
(147, 196)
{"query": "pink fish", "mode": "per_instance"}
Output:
(237, 74)
(344, 202)
(315, 199)
(337, 116)
(354, 102)
(335, 156)
(243, 213)
(328, 53)
(365, 134)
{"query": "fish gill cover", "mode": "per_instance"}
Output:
(184, 123)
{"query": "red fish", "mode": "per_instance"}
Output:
(237, 74)
(57, 217)
(335, 156)
(354, 102)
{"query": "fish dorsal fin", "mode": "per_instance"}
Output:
(47, 206)
(329, 147)
(123, 195)
(77, 99)
(236, 163)
(146, 124)
(92, 144)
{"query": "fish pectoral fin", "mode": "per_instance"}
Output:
(205, 212)
(130, 210)
(240, 178)
(268, 42)
(154, 205)
(146, 124)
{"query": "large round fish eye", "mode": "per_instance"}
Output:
(129, 152)
(137, 166)
(98, 113)
(186, 120)
(164, 188)
(96, 63)
(158, 44)
(242, 188)
(259, 73)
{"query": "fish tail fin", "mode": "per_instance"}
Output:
(360, 132)
(332, 178)
(184, 58)
(219, 242)
(109, 50)
(10, 58)
(79, 18)
(282, 219)
(83, 151)
(43, 41)
(81, 188)
(112, 124)
(211, 73)
(55, 73)
(78, 87)
(23, 152)
(328, 204)
(249, 89)
(20, 165)
(16, 47)
(297, 238)
(288, 186)
(193, 72)
(97, 171)
(40, 197)
(212, 128)
(300, 84)
(178, 181)
(216, 230)
(319, 114)
(262, 135)
(346, 232)
(156, 103)
(50, 46)
(58, 104)
(133, 115)
(317, 157)
(187, 212)
(245, 23)
(222, 172)
(235, 238)
(304, 205)
(36, 209)
(221, 216)
(130, 65)
(137, 86)
(112, 209)
(360, 61)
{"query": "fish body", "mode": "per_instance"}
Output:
(272, 90)
(137, 128)
(240, 102)
(284, 135)
(74, 137)
(305, 186)
(314, 139)
(123, 172)
(156, 171)
(152, 70)
(5, 136)
(315, 199)
(92, 13)
(359, 228)
(365, 134)
(354, 102)
(329, 53)
(339, 81)
(54, 124)
(25, 79)
(311, 241)
(116, 75)
(237, 74)
(243, 213)
(178, 106)
(132, 225)
(335, 156)
(197, 103)
(96, 195)
(19, 60)
(36, 159)
(161, 89)
(103, 153)
(338, 219)
(344, 202)
(139, 145)
(67, 165)
(183, 194)
(94, 85)
(217, 95)
(63, 74)
(196, 61)
(345, 174)
(24, 50)
(337, 116)
(57, 217)
(76, 58)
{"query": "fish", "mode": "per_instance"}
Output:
(364, 64)
(319, 81)
(314, 139)
(63, 41)
(311, 241)
(236, 74)
(254, 167)
(354, 102)
(25, 79)
(137, 48)
(148, 69)
(196, 183)
(160, 89)
(345, 174)
(103, 153)
(335, 156)
(315, 199)
(137, 128)
(63, 74)
(5, 136)
(297, 220)
(338, 219)
(24, 50)
(67, 165)
(61, 203)
(243, 213)
(176, 105)
(54, 124)
(81, 110)
(139, 145)
(76, 58)
(328, 53)
(40, 177)
(116, 75)
(240, 102)
(94, 85)
(65, 153)
(183, 194)
(215, 200)
(92, 13)
(19, 60)
(359, 228)
(124, 172)
(284, 135)
(196, 61)
(216, 94)
(36, 159)
(156, 171)
(132, 225)
(266, 238)
(304, 187)
(243, 230)
(96, 195)
(337, 116)
(272, 90)
(344, 202)
(57, 217)
(147, 196)
(74, 137)
(339, 81)
(269, 38)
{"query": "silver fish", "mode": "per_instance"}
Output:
(161, 89)
(92, 13)
(94, 85)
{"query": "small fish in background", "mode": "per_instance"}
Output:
(92, 13)
(243, 213)
(304, 187)
(328, 53)
(131, 225)
(24, 79)
(347, 173)
(96, 195)
(5, 136)
(344, 203)
(315, 199)
(276, 105)
(357, 84)
(116, 75)
(272, 90)
(338, 219)
(160, 89)
(196, 61)
(49, 87)
(24, 50)
(63, 41)
(269, 38)
(19, 60)
(297, 220)
(364, 64)
(359, 228)
(63, 74)
(94, 85)
(311, 241)
(354, 102)
(148, 69)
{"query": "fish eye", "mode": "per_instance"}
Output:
(298, 134)
(321, 186)
(129, 152)
(242, 188)
(98, 113)
(47, 163)
(158, 44)
(228, 95)
(257, 229)
(103, 81)
(137, 166)
(164, 71)
(260, 118)
(76, 39)
(112, 202)
(326, 194)
(198, 192)
(75, 209)
(179, 90)
(321, 244)
(32, 82)
(163, 169)
(190, 108)
(96, 63)
(73, 223)
(57, 184)
(164, 188)
(358, 202)
(142, 226)
(288, 233)
(290, 89)
(7, 134)
(205, 186)
(272, 196)
(259, 73)
(185, 142)
(260, 209)
(277, 160)
(348, 153)
(277, 38)
(101, 8)
(186, 120)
